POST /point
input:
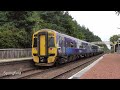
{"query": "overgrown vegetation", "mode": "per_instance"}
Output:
(17, 27)
(114, 38)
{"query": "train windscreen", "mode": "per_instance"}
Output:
(35, 42)
(51, 42)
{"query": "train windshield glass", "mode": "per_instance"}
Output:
(51, 42)
(35, 42)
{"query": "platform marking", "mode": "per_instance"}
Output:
(80, 73)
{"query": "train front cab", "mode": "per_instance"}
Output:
(44, 49)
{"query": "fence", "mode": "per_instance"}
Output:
(15, 53)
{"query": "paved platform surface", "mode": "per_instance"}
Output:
(15, 59)
(107, 68)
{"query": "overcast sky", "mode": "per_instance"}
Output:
(102, 23)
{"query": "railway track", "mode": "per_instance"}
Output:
(62, 75)
(60, 71)
(75, 69)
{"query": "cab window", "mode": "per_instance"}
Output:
(35, 42)
(51, 42)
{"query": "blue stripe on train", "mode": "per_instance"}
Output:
(73, 51)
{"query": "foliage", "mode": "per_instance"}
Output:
(17, 27)
(114, 38)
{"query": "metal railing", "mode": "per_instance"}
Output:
(15, 53)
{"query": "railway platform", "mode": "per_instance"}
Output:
(15, 59)
(106, 67)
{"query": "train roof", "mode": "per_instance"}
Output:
(44, 30)
(77, 39)
(66, 36)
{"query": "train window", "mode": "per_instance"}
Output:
(71, 44)
(94, 47)
(67, 44)
(51, 42)
(60, 41)
(57, 40)
(81, 46)
(35, 42)
(75, 45)
(84, 45)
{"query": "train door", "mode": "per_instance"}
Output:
(42, 44)
(61, 43)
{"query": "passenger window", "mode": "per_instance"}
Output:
(75, 45)
(67, 44)
(81, 46)
(61, 42)
(71, 44)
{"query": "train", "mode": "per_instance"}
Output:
(50, 48)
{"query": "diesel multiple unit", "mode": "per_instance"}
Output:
(50, 47)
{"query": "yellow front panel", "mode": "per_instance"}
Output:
(51, 59)
(36, 59)
(42, 44)
(34, 50)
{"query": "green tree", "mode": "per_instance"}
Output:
(114, 38)
(17, 27)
